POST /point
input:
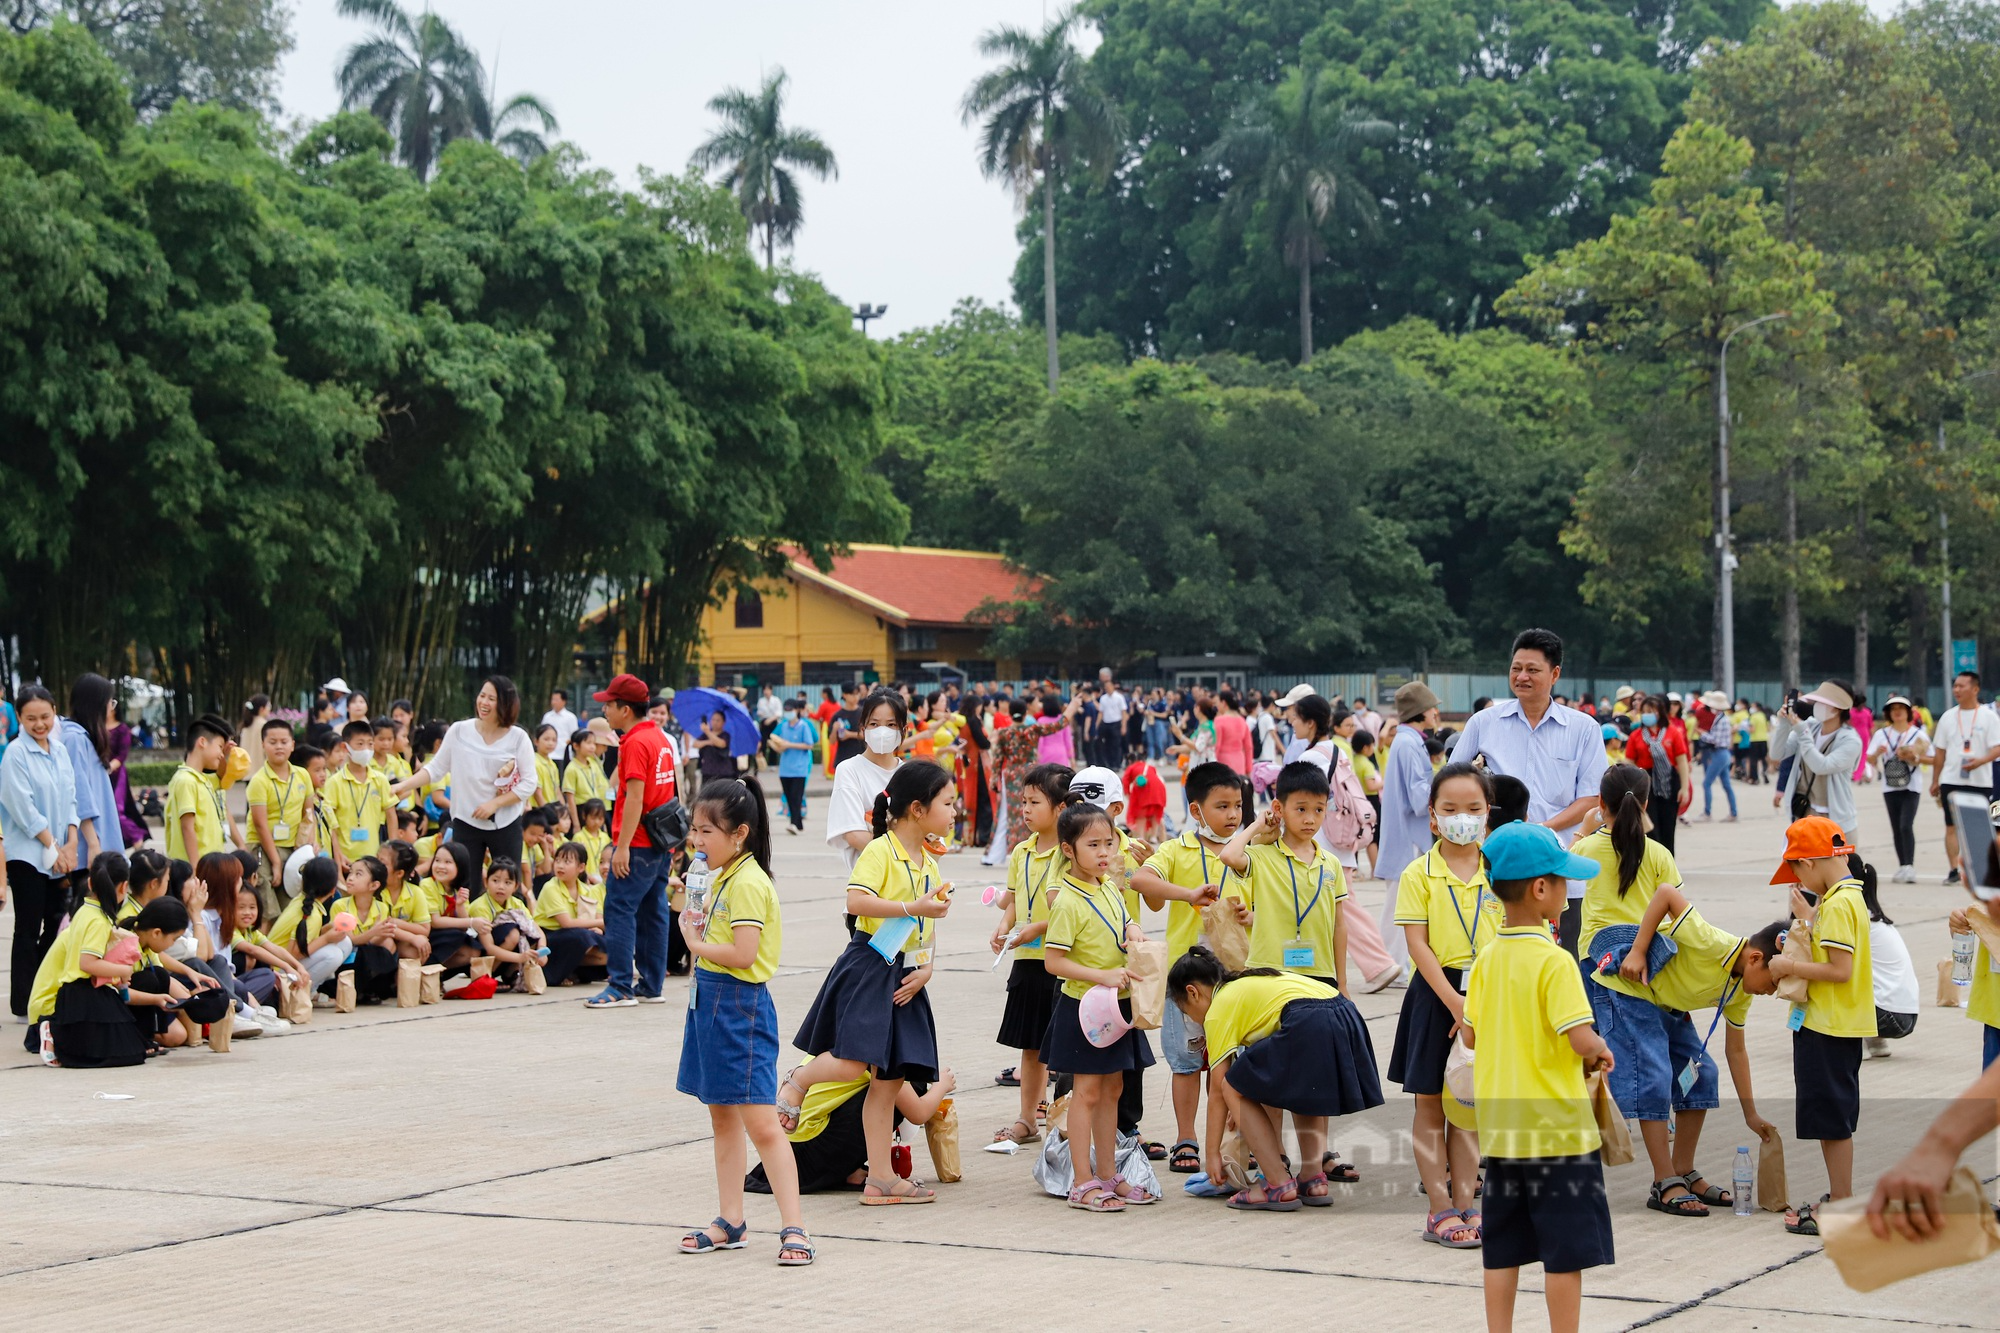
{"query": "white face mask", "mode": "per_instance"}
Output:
(1465, 830)
(361, 757)
(882, 740)
(1821, 712)
(1202, 830)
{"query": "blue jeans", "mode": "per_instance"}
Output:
(1651, 1046)
(1156, 741)
(1715, 764)
(635, 924)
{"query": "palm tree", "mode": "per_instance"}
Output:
(1041, 109)
(758, 153)
(418, 77)
(1293, 153)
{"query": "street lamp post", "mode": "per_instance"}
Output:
(866, 312)
(1944, 550)
(1725, 555)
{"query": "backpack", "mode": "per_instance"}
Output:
(1350, 820)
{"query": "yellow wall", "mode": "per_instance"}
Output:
(802, 623)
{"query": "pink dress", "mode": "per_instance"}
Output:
(1864, 725)
(1232, 742)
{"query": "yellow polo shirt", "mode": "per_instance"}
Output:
(1033, 877)
(821, 1101)
(741, 894)
(1698, 977)
(1524, 995)
(1248, 1009)
(585, 780)
(412, 905)
(548, 784)
(1297, 904)
(189, 792)
(1983, 1005)
(89, 932)
(1189, 863)
(356, 808)
(1848, 1009)
(377, 913)
(1603, 905)
(486, 907)
(1088, 922)
(886, 870)
(285, 800)
(285, 929)
(1462, 917)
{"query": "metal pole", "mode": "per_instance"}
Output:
(1726, 577)
(1944, 556)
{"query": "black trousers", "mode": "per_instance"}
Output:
(795, 800)
(1665, 812)
(482, 841)
(1902, 807)
(40, 903)
(566, 950)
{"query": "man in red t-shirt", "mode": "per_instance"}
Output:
(636, 925)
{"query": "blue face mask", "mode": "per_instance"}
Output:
(1649, 719)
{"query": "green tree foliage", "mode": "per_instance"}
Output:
(223, 51)
(279, 417)
(1520, 129)
(1041, 111)
(758, 154)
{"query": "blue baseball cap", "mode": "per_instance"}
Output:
(1523, 851)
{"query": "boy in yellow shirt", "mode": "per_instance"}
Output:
(1529, 1022)
(358, 799)
(1829, 1029)
(197, 820)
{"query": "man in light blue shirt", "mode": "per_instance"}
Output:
(794, 739)
(1406, 802)
(1555, 750)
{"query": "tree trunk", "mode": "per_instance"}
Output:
(1049, 271)
(1788, 627)
(770, 247)
(1305, 311)
(1918, 655)
(1861, 601)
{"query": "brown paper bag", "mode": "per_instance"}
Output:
(1224, 934)
(1865, 1263)
(409, 983)
(1798, 947)
(1774, 1195)
(1147, 963)
(482, 966)
(1947, 992)
(343, 994)
(433, 984)
(1617, 1147)
(533, 982)
(296, 1005)
(219, 1032)
(941, 1133)
(1235, 1161)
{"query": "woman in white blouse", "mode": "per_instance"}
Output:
(491, 765)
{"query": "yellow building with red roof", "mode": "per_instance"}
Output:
(881, 613)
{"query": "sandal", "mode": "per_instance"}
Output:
(793, 1248)
(1028, 1134)
(1274, 1200)
(1712, 1195)
(1010, 1077)
(1804, 1221)
(1338, 1171)
(791, 1110)
(700, 1242)
(1139, 1195)
(1452, 1237)
(1096, 1196)
(1155, 1150)
(1323, 1199)
(1683, 1204)
(1186, 1158)
(887, 1193)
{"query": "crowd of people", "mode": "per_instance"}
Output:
(1539, 926)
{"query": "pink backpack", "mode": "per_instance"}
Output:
(1350, 820)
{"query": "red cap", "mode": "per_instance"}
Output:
(1809, 839)
(625, 688)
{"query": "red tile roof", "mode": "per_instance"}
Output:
(918, 585)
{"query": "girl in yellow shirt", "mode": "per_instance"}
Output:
(729, 1043)
(75, 1014)
(373, 961)
(1034, 875)
(570, 922)
(872, 1012)
(454, 937)
(1277, 1042)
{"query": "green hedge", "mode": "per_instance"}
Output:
(152, 772)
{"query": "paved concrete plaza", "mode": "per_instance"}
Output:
(524, 1163)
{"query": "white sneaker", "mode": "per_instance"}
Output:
(266, 1011)
(244, 1026)
(322, 1001)
(1905, 875)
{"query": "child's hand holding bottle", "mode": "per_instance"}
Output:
(932, 905)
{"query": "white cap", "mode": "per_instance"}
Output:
(295, 865)
(1296, 693)
(1673, 698)
(336, 686)
(1099, 786)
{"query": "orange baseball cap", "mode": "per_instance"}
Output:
(1809, 839)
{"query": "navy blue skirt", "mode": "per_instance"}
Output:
(1031, 998)
(1067, 1051)
(729, 1045)
(856, 1017)
(1318, 1062)
(1423, 1038)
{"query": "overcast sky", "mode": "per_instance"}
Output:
(910, 223)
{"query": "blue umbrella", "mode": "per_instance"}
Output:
(696, 704)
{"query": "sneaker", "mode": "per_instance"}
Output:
(612, 999)
(652, 999)
(1905, 875)
(322, 1001)
(1951, 878)
(275, 1027)
(266, 1011)
(792, 829)
(244, 1026)
(1876, 1048)
(1382, 980)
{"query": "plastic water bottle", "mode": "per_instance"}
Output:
(697, 883)
(1743, 1183)
(1962, 947)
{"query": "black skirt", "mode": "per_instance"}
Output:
(1318, 1062)
(1423, 1038)
(1031, 998)
(856, 1017)
(445, 943)
(374, 969)
(93, 1028)
(1066, 1049)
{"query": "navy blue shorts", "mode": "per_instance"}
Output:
(1826, 1073)
(729, 1045)
(1545, 1210)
